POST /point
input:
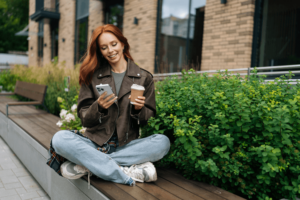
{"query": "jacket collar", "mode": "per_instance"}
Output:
(132, 70)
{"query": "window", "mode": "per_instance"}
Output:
(113, 13)
(276, 37)
(54, 39)
(39, 5)
(41, 39)
(180, 33)
(81, 29)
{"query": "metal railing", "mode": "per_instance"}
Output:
(245, 71)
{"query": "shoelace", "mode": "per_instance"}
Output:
(133, 171)
(82, 169)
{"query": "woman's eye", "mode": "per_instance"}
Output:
(114, 44)
(103, 48)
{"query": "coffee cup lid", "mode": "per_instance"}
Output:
(137, 87)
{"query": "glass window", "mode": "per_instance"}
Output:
(81, 30)
(277, 41)
(54, 39)
(81, 38)
(179, 43)
(39, 5)
(41, 39)
(114, 11)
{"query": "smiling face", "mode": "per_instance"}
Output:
(110, 47)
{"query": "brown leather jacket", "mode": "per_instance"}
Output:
(101, 122)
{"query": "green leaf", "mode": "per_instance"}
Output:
(223, 148)
(157, 127)
(264, 153)
(186, 146)
(239, 123)
(182, 139)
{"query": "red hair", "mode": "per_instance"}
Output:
(93, 56)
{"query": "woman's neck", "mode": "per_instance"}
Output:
(120, 66)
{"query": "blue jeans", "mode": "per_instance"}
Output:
(82, 151)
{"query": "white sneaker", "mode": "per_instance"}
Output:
(149, 171)
(70, 170)
(135, 173)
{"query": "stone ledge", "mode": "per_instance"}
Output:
(34, 157)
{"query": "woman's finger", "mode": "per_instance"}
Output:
(139, 104)
(129, 97)
(102, 95)
(141, 97)
(109, 97)
(140, 101)
(109, 103)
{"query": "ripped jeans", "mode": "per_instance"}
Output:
(82, 151)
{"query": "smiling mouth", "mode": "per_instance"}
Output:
(112, 56)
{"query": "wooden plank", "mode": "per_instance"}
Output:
(176, 190)
(185, 184)
(7, 94)
(110, 189)
(24, 103)
(214, 189)
(30, 90)
(51, 118)
(32, 86)
(52, 129)
(157, 191)
(218, 191)
(136, 192)
(39, 134)
(24, 110)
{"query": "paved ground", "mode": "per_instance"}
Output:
(16, 183)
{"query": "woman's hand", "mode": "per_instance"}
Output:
(105, 103)
(139, 102)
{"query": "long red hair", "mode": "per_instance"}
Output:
(93, 57)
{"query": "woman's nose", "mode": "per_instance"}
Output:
(110, 49)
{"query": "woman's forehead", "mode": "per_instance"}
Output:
(106, 38)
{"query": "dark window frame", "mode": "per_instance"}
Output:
(187, 52)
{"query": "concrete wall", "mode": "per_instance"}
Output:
(34, 157)
(227, 38)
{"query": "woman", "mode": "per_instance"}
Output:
(109, 147)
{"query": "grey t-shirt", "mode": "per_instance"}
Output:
(118, 78)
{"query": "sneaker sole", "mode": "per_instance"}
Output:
(69, 176)
(137, 180)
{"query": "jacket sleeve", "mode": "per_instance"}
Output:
(149, 109)
(88, 109)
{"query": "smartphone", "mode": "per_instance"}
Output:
(104, 88)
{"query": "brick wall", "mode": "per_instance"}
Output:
(47, 42)
(141, 37)
(96, 17)
(66, 32)
(227, 38)
(32, 42)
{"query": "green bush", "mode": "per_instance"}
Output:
(8, 80)
(238, 134)
(55, 90)
(51, 75)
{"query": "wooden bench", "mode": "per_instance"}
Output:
(32, 91)
(38, 128)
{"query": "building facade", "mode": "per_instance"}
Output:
(171, 35)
